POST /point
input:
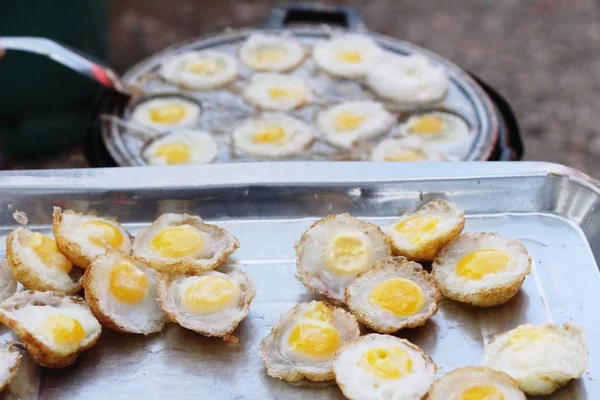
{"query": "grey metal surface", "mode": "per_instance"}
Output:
(553, 210)
(225, 107)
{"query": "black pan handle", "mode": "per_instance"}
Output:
(314, 13)
(75, 60)
(510, 142)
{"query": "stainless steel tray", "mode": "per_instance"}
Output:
(553, 210)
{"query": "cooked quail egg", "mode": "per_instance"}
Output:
(122, 294)
(36, 261)
(10, 359)
(481, 269)
(165, 113)
(8, 283)
(406, 149)
(334, 250)
(476, 383)
(182, 147)
(181, 243)
(201, 70)
(395, 294)
(302, 344)
(348, 56)
(375, 367)
(419, 235)
(438, 128)
(272, 135)
(82, 237)
(265, 52)
(55, 328)
(212, 303)
(540, 358)
(278, 92)
(408, 80)
(348, 122)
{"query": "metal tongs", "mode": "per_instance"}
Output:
(75, 60)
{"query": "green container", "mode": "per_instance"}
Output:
(44, 106)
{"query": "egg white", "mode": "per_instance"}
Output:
(455, 382)
(376, 120)
(393, 150)
(358, 383)
(10, 359)
(202, 146)
(297, 136)
(408, 80)
(292, 50)
(144, 316)
(222, 69)
(296, 92)
(542, 365)
(142, 112)
(312, 253)
(328, 55)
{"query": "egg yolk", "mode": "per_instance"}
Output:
(427, 125)
(408, 155)
(314, 338)
(103, 233)
(386, 363)
(47, 251)
(347, 121)
(481, 392)
(127, 283)
(480, 263)
(63, 330)
(525, 335)
(174, 153)
(400, 296)
(205, 67)
(167, 114)
(269, 135)
(417, 228)
(350, 56)
(177, 242)
(269, 54)
(210, 294)
(348, 253)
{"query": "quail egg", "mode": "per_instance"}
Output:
(540, 358)
(182, 147)
(481, 269)
(121, 292)
(348, 56)
(419, 235)
(408, 80)
(278, 92)
(200, 70)
(266, 52)
(182, 243)
(212, 303)
(334, 250)
(406, 149)
(348, 122)
(394, 295)
(375, 367)
(476, 383)
(10, 359)
(166, 113)
(36, 261)
(55, 328)
(82, 237)
(272, 135)
(438, 128)
(302, 344)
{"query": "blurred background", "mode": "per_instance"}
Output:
(541, 54)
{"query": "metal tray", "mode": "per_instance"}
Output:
(553, 210)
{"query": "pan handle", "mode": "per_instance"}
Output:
(314, 13)
(77, 61)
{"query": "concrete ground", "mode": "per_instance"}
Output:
(541, 54)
